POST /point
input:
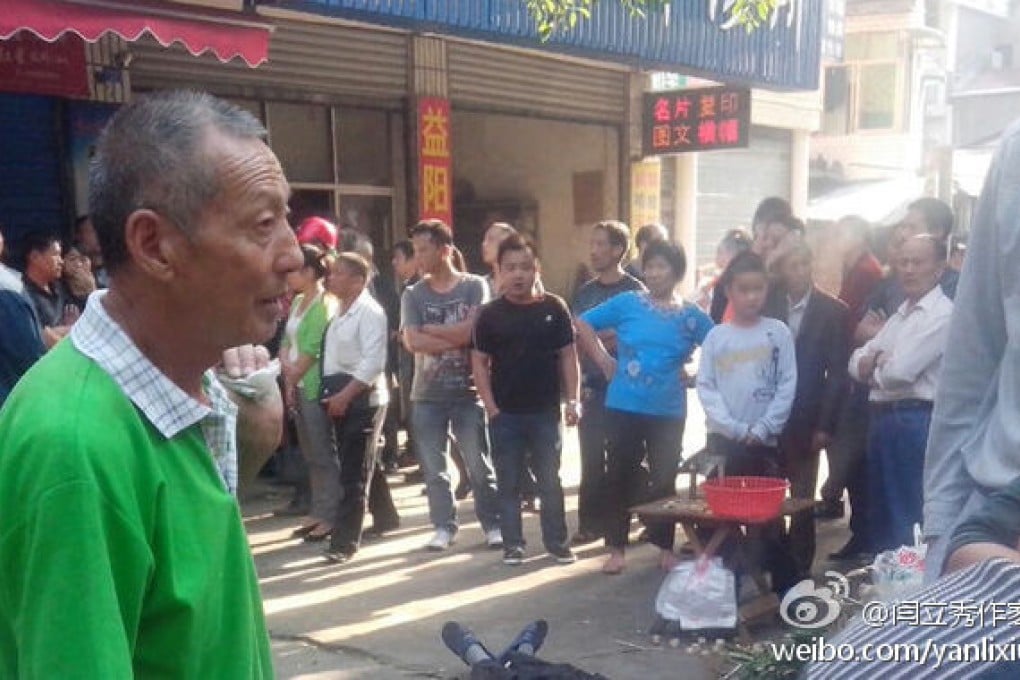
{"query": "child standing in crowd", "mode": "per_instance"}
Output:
(746, 383)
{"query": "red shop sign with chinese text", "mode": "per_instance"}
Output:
(31, 65)
(696, 120)
(435, 162)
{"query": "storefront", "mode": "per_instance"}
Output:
(64, 68)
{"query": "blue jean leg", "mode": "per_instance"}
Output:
(467, 422)
(429, 423)
(513, 437)
(896, 445)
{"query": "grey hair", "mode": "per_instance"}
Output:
(150, 156)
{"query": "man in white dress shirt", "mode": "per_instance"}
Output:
(902, 364)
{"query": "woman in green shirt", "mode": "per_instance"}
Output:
(300, 350)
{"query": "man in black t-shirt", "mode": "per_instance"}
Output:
(610, 241)
(524, 361)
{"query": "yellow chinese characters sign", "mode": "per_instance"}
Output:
(435, 173)
(644, 192)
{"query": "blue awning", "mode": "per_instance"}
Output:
(692, 39)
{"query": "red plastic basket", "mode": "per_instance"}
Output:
(751, 499)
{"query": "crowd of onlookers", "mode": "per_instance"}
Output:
(482, 371)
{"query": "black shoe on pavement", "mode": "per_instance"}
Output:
(464, 643)
(337, 555)
(829, 509)
(564, 555)
(513, 555)
(528, 641)
(853, 550)
(378, 530)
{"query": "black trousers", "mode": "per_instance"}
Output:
(592, 433)
(632, 437)
(800, 466)
(362, 482)
(847, 467)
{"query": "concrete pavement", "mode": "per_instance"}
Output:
(379, 616)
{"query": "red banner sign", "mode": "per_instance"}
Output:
(696, 120)
(30, 65)
(435, 161)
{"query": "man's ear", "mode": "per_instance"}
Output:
(154, 244)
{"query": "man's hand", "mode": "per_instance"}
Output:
(820, 440)
(336, 406)
(240, 362)
(868, 364)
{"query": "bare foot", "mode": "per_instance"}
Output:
(667, 560)
(615, 563)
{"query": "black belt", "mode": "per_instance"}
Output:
(902, 405)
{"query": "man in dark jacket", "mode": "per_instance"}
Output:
(818, 324)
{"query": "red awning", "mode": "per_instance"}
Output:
(226, 35)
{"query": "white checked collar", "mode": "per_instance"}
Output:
(169, 408)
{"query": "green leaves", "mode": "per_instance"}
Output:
(552, 16)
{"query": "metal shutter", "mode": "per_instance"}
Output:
(493, 79)
(731, 183)
(31, 197)
(304, 58)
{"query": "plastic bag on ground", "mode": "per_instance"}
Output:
(699, 594)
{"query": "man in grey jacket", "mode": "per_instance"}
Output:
(974, 444)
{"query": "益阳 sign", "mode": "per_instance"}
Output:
(696, 120)
(435, 163)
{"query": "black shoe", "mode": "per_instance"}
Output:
(853, 550)
(462, 491)
(461, 640)
(337, 555)
(528, 641)
(513, 555)
(377, 531)
(827, 509)
(563, 555)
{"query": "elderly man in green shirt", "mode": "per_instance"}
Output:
(123, 552)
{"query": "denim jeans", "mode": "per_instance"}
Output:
(535, 437)
(896, 443)
(431, 421)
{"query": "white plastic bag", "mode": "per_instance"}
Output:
(699, 594)
(898, 574)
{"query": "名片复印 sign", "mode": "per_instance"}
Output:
(696, 120)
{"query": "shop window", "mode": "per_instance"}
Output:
(866, 92)
(299, 135)
(363, 147)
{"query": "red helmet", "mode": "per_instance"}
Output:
(319, 231)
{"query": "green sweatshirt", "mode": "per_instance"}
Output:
(121, 553)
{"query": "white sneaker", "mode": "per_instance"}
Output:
(440, 541)
(494, 538)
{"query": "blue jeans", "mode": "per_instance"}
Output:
(431, 421)
(897, 438)
(514, 437)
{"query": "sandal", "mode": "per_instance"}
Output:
(304, 530)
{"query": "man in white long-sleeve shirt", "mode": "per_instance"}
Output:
(901, 365)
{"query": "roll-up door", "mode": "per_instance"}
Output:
(512, 81)
(304, 58)
(31, 197)
(731, 183)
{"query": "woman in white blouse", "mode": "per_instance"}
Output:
(355, 397)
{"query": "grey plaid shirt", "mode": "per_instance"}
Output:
(169, 408)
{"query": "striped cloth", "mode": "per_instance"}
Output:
(965, 625)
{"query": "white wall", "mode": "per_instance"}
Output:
(510, 157)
